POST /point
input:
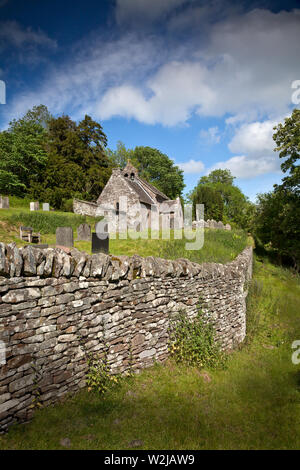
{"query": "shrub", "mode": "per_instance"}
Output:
(192, 341)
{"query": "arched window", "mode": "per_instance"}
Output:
(132, 176)
(126, 175)
(117, 208)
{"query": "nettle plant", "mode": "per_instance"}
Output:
(98, 376)
(193, 342)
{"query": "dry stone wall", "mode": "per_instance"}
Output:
(52, 302)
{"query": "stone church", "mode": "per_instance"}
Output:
(146, 206)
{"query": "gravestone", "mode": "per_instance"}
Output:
(100, 245)
(84, 233)
(34, 206)
(227, 227)
(64, 236)
(46, 206)
(4, 202)
(220, 225)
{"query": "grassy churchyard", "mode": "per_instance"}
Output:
(252, 403)
(220, 246)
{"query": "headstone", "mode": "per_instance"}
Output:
(100, 245)
(34, 206)
(46, 206)
(4, 202)
(227, 227)
(84, 233)
(64, 236)
(220, 225)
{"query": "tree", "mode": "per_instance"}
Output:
(212, 200)
(277, 220)
(237, 208)
(77, 161)
(277, 224)
(287, 139)
(218, 176)
(157, 168)
(22, 151)
(120, 156)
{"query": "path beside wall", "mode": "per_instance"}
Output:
(51, 301)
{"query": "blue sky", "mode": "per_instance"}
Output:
(204, 82)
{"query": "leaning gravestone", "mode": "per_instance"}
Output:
(46, 206)
(34, 206)
(4, 202)
(64, 236)
(84, 233)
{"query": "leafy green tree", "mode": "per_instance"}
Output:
(287, 138)
(77, 162)
(212, 200)
(22, 152)
(120, 156)
(218, 176)
(277, 220)
(157, 168)
(277, 224)
(237, 208)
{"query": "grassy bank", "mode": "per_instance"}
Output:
(219, 245)
(253, 404)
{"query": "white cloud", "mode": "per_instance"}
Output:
(255, 138)
(191, 167)
(211, 135)
(235, 72)
(176, 89)
(246, 167)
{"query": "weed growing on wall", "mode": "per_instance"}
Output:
(98, 377)
(192, 342)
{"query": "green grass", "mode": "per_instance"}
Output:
(219, 245)
(253, 404)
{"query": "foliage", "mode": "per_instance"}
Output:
(22, 152)
(77, 162)
(212, 200)
(277, 224)
(98, 377)
(237, 208)
(120, 156)
(287, 138)
(193, 342)
(157, 168)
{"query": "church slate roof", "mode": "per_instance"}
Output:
(140, 186)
